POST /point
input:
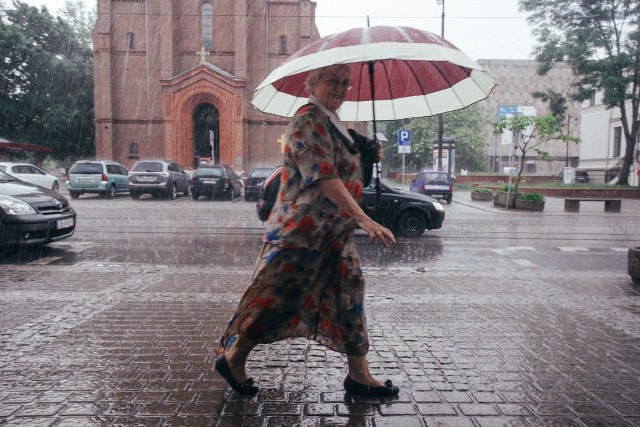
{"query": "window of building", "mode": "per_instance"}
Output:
(617, 141)
(207, 26)
(283, 44)
(130, 41)
(592, 99)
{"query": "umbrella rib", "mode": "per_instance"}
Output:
(388, 79)
(452, 86)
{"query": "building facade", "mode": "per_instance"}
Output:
(603, 143)
(173, 79)
(517, 80)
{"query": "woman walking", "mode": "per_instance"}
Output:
(308, 281)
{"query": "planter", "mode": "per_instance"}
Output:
(633, 264)
(475, 195)
(530, 205)
(500, 199)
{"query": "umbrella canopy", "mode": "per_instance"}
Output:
(415, 73)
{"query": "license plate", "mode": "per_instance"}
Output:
(146, 178)
(209, 181)
(64, 223)
(436, 187)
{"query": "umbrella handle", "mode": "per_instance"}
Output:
(375, 130)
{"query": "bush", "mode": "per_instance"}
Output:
(505, 189)
(481, 190)
(534, 197)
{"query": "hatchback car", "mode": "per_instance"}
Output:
(160, 178)
(435, 184)
(254, 181)
(31, 174)
(32, 215)
(104, 177)
(213, 181)
(408, 213)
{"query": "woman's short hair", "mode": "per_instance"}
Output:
(314, 75)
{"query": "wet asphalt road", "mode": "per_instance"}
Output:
(500, 318)
(474, 234)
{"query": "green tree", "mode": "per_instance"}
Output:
(464, 126)
(46, 82)
(530, 132)
(600, 40)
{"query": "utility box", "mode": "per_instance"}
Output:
(569, 175)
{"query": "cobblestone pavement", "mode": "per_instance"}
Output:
(128, 344)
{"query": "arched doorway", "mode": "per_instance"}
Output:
(206, 133)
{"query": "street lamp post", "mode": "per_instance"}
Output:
(440, 123)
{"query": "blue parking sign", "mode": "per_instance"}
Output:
(404, 141)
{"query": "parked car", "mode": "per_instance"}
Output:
(30, 173)
(31, 214)
(436, 184)
(254, 181)
(408, 213)
(213, 181)
(160, 178)
(581, 176)
(104, 177)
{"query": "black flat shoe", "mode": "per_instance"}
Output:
(357, 389)
(247, 387)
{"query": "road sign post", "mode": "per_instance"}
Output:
(404, 147)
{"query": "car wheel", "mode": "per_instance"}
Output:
(412, 224)
(186, 192)
(247, 198)
(448, 199)
(74, 194)
(111, 192)
(195, 195)
(172, 192)
(231, 195)
(55, 186)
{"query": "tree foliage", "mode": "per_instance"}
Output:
(464, 126)
(46, 81)
(600, 40)
(530, 132)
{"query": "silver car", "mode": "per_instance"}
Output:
(160, 178)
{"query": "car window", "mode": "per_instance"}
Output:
(123, 171)
(217, 172)
(32, 170)
(436, 178)
(113, 169)
(86, 168)
(3, 168)
(6, 177)
(147, 167)
(172, 167)
(260, 173)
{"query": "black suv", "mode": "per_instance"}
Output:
(403, 211)
(254, 181)
(213, 181)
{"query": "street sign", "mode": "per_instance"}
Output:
(404, 141)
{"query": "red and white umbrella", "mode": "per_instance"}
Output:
(415, 74)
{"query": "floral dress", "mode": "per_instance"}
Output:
(308, 281)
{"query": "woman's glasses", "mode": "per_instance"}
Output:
(335, 82)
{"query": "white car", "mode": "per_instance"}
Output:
(29, 173)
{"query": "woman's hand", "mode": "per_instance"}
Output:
(377, 231)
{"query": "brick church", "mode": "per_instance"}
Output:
(173, 79)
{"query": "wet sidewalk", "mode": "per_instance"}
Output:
(120, 344)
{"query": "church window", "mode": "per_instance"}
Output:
(130, 41)
(207, 26)
(283, 44)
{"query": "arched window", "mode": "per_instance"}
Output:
(129, 41)
(283, 44)
(207, 26)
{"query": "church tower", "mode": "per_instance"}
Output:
(173, 79)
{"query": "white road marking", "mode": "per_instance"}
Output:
(620, 249)
(524, 263)
(45, 260)
(573, 249)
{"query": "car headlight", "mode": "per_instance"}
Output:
(438, 206)
(13, 206)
